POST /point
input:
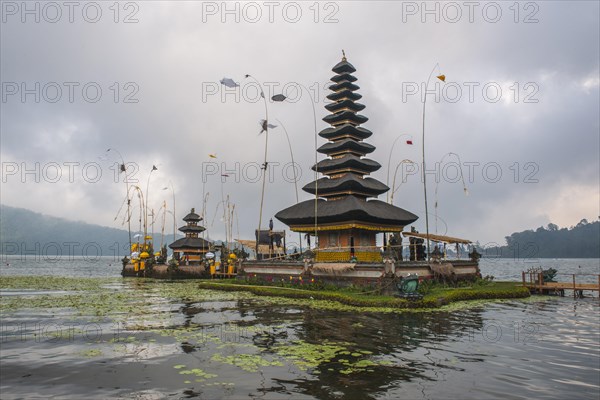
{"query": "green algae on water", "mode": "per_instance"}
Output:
(91, 353)
(247, 362)
(55, 283)
(307, 355)
(331, 354)
(200, 374)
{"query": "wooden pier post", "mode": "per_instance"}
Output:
(574, 288)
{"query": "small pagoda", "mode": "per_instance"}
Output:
(348, 215)
(190, 250)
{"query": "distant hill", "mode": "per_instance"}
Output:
(26, 232)
(579, 241)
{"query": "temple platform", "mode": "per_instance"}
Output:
(338, 273)
(346, 273)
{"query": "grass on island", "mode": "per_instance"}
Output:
(434, 294)
(117, 297)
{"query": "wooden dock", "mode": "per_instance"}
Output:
(534, 281)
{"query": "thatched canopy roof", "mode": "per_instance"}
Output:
(192, 217)
(343, 67)
(346, 145)
(345, 130)
(436, 238)
(190, 243)
(345, 116)
(344, 94)
(344, 104)
(192, 228)
(343, 84)
(347, 183)
(350, 208)
(343, 77)
(348, 161)
(262, 248)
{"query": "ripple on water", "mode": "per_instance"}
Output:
(517, 350)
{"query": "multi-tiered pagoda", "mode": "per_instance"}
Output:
(190, 250)
(348, 214)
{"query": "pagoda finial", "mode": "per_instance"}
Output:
(343, 55)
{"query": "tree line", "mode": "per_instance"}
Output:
(579, 241)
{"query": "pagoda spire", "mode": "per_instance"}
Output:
(346, 165)
(348, 212)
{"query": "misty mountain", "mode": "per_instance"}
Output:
(24, 232)
(579, 241)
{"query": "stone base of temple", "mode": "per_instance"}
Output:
(376, 275)
(162, 271)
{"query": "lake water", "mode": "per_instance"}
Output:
(504, 269)
(146, 339)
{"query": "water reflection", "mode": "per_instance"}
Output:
(405, 340)
(266, 348)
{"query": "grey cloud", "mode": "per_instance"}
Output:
(171, 55)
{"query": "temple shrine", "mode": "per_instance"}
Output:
(346, 215)
(343, 217)
(191, 249)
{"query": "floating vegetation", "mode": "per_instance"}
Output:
(247, 362)
(159, 308)
(225, 345)
(354, 301)
(200, 374)
(99, 303)
(330, 354)
(226, 384)
(102, 297)
(177, 327)
(145, 302)
(307, 355)
(55, 282)
(188, 291)
(91, 353)
(194, 334)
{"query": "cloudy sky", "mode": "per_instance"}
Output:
(519, 109)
